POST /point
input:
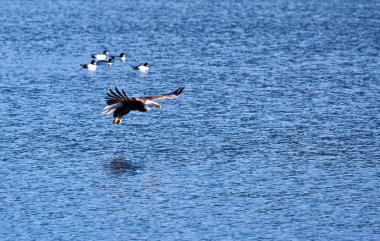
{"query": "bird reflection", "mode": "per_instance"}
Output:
(118, 165)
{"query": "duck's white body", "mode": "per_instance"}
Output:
(90, 67)
(102, 56)
(143, 68)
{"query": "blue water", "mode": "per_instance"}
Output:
(277, 134)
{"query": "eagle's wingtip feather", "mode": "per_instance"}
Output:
(110, 108)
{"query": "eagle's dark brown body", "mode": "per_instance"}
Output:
(128, 106)
(119, 103)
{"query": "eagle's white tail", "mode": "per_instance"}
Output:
(110, 108)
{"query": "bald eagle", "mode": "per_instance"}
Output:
(120, 104)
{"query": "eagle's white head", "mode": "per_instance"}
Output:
(150, 104)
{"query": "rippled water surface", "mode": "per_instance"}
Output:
(277, 134)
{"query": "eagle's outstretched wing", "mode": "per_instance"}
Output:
(118, 97)
(171, 95)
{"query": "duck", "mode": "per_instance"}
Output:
(142, 68)
(106, 62)
(122, 57)
(102, 56)
(91, 66)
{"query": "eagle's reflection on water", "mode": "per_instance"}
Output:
(118, 165)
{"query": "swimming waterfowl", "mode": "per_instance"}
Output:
(106, 62)
(122, 57)
(91, 66)
(142, 68)
(102, 56)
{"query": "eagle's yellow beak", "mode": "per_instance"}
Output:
(158, 106)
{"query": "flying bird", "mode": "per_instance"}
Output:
(102, 56)
(142, 68)
(91, 66)
(120, 104)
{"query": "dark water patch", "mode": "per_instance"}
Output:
(118, 165)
